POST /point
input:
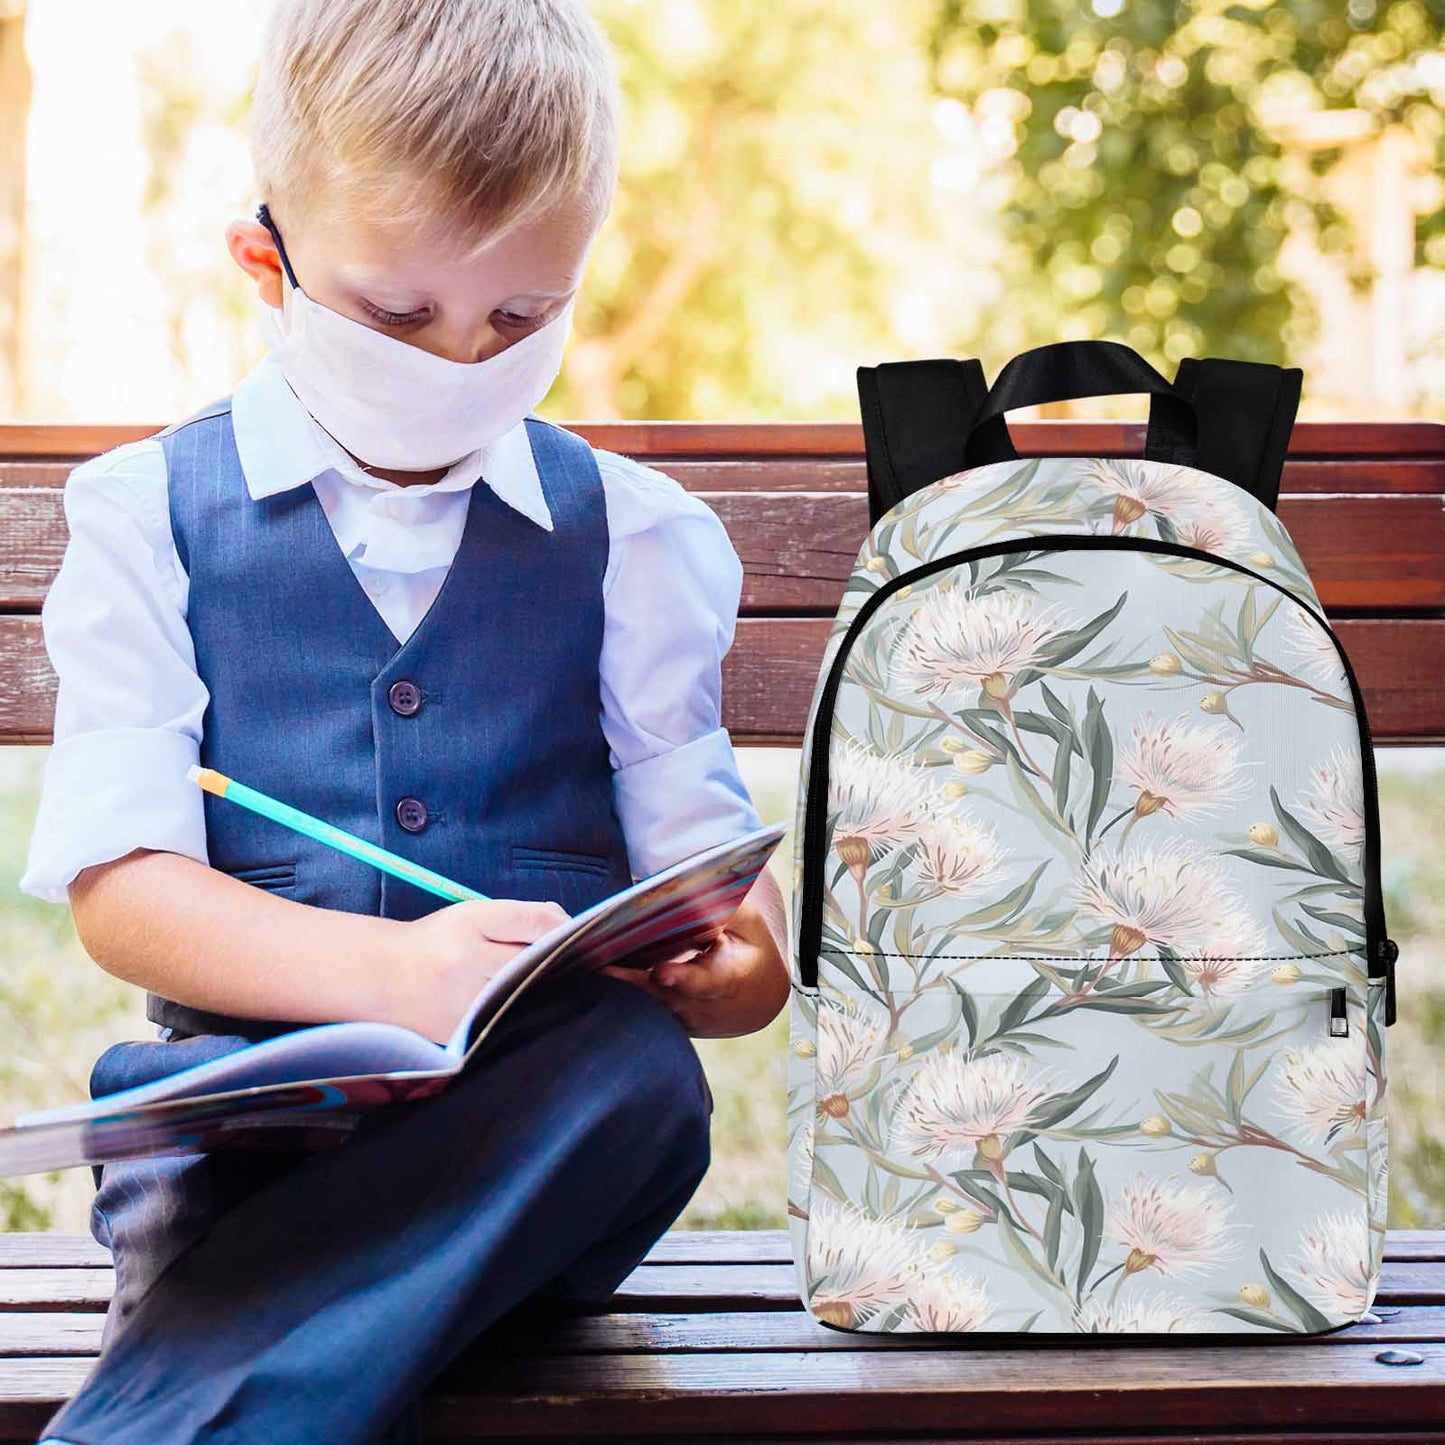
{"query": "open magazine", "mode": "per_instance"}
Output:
(310, 1087)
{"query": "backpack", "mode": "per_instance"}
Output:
(1090, 968)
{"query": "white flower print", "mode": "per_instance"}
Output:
(860, 1264)
(950, 1303)
(1140, 487)
(1322, 1089)
(800, 1160)
(1333, 1266)
(957, 855)
(954, 1106)
(1171, 1227)
(957, 641)
(1144, 1313)
(1223, 529)
(1335, 806)
(1184, 768)
(877, 799)
(1312, 649)
(978, 479)
(1170, 893)
(848, 1041)
(1229, 959)
(1062, 925)
(1222, 977)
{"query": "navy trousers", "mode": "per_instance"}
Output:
(308, 1299)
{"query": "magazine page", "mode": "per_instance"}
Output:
(328, 1051)
(303, 1116)
(309, 1088)
(674, 911)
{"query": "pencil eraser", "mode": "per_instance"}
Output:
(194, 773)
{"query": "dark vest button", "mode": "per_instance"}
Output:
(411, 814)
(405, 698)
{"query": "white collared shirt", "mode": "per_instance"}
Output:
(130, 703)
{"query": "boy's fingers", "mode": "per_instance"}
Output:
(707, 976)
(638, 978)
(521, 922)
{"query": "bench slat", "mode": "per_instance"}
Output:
(650, 1287)
(804, 473)
(24, 1334)
(41, 1250)
(965, 1389)
(770, 674)
(690, 1246)
(772, 669)
(1106, 1387)
(1365, 554)
(1048, 437)
(751, 1331)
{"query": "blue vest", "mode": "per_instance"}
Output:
(475, 748)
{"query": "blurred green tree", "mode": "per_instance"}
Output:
(774, 191)
(1146, 147)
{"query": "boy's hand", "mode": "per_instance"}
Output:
(451, 953)
(736, 986)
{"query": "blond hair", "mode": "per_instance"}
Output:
(462, 116)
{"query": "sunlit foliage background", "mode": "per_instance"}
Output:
(807, 185)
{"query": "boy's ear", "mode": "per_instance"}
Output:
(253, 250)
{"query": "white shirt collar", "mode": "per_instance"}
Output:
(281, 446)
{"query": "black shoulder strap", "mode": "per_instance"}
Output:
(918, 415)
(916, 419)
(1245, 411)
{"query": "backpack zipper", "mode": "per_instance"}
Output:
(1380, 950)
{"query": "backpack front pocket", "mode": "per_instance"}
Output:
(1136, 757)
(1002, 1148)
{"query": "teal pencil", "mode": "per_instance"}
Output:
(333, 837)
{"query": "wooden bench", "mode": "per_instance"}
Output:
(707, 1338)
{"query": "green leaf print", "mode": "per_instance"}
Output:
(1018, 1007)
(1256, 1317)
(1069, 644)
(1320, 857)
(1089, 1205)
(1169, 962)
(1014, 1245)
(1267, 860)
(1062, 1105)
(1053, 1229)
(1309, 1317)
(1047, 1167)
(1057, 708)
(1341, 921)
(1063, 759)
(968, 1009)
(1008, 907)
(1100, 747)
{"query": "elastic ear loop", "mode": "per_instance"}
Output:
(263, 214)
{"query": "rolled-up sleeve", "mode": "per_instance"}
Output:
(672, 588)
(130, 703)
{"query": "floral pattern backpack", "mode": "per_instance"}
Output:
(1090, 969)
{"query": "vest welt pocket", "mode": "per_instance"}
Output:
(983, 1158)
(554, 860)
(274, 877)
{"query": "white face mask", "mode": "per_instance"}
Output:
(394, 405)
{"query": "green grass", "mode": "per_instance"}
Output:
(58, 1011)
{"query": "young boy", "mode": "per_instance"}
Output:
(374, 584)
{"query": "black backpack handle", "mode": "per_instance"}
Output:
(1068, 370)
(923, 420)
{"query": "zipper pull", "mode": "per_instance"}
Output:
(1389, 951)
(1339, 1023)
